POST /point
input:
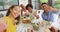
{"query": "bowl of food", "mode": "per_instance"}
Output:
(26, 20)
(35, 26)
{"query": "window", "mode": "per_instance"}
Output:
(1, 4)
(5, 4)
(35, 4)
(24, 2)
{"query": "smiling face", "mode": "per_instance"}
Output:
(15, 12)
(45, 7)
(29, 9)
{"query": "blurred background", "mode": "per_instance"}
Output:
(5, 4)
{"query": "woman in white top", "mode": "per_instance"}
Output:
(23, 10)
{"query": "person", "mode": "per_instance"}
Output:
(8, 22)
(32, 12)
(23, 10)
(48, 12)
(48, 15)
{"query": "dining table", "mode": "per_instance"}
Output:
(43, 26)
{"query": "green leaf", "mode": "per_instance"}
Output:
(42, 1)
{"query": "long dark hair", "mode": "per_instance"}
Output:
(8, 12)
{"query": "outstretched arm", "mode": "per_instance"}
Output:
(53, 9)
(3, 25)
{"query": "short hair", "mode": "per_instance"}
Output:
(44, 3)
(29, 5)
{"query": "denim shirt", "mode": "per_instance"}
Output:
(48, 17)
